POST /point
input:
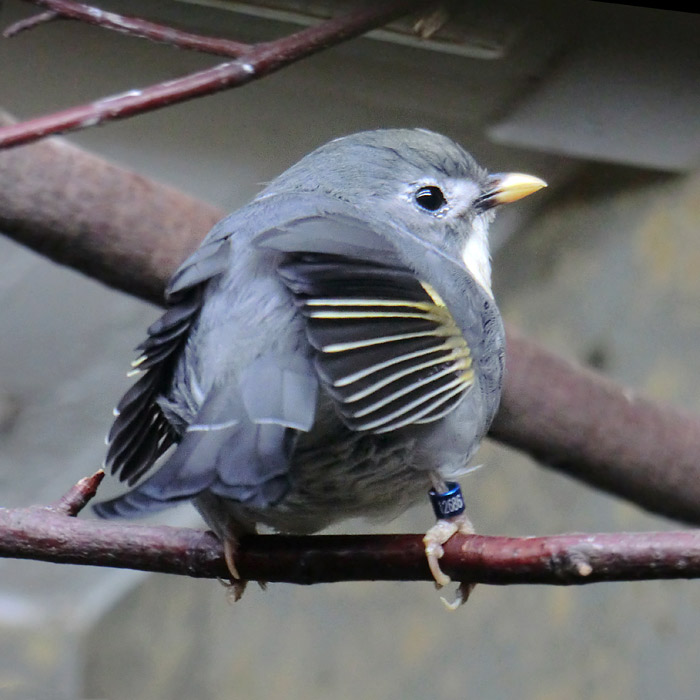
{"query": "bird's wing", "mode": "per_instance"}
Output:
(387, 348)
(239, 444)
(251, 425)
(141, 432)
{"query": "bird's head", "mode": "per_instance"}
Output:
(420, 180)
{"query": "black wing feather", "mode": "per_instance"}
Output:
(388, 350)
(141, 434)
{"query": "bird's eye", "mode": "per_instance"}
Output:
(430, 198)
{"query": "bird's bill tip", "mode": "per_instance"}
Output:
(510, 187)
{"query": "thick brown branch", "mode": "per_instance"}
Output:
(135, 26)
(261, 60)
(579, 422)
(46, 535)
(52, 199)
(52, 186)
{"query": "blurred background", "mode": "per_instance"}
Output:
(600, 100)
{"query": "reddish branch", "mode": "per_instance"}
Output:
(50, 534)
(134, 26)
(588, 426)
(131, 233)
(253, 63)
(72, 502)
(29, 23)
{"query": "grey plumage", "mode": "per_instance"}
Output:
(325, 350)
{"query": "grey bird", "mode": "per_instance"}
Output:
(331, 350)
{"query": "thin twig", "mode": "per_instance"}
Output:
(23, 25)
(261, 60)
(78, 496)
(135, 26)
(45, 534)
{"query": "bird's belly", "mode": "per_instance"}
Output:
(356, 475)
(337, 473)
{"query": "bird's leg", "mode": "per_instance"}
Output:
(228, 529)
(448, 506)
(236, 585)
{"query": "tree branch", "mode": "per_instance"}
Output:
(260, 60)
(72, 502)
(51, 534)
(23, 25)
(133, 26)
(52, 199)
(107, 222)
(584, 424)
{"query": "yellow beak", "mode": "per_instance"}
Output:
(509, 187)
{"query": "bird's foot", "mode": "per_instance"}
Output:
(448, 505)
(235, 585)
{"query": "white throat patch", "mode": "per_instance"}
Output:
(476, 257)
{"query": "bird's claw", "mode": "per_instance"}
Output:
(235, 585)
(230, 547)
(234, 589)
(463, 592)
